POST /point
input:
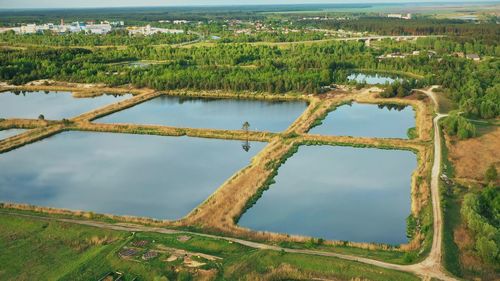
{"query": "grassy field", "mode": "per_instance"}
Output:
(53, 250)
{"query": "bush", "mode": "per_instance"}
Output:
(456, 125)
(491, 174)
(481, 213)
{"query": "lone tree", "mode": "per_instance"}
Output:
(246, 126)
(246, 143)
(41, 117)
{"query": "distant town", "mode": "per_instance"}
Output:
(89, 27)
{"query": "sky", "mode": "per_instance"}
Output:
(26, 4)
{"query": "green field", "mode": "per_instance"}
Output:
(54, 250)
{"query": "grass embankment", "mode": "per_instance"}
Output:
(118, 106)
(174, 131)
(29, 137)
(6, 124)
(53, 250)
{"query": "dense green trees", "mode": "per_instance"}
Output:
(399, 89)
(278, 36)
(455, 124)
(303, 68)
(491, 174)
(481, 212)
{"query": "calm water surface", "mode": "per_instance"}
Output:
(372, 79)
(10, 133)
(53, 105)
(339, 193)
(368, 120)
(160, 177)
(211, 113)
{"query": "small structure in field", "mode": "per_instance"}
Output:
(183, 238)
(127, 253)
(172, 258)
(149, 255)
(140, 243)
(474, 57)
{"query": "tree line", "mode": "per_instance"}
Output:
(242, 67)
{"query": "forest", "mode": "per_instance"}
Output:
(480, 211)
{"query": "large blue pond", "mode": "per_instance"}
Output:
(338, 193)
(153, 176)
(228, 114)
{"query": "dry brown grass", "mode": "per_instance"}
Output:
(25, 123)
(121, 105)
(473, 156)
(174, 131)
(29, 137)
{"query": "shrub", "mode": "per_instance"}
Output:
(491, 174)
(459, 126)
(480, 213)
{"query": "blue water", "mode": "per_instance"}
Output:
(52, 105)
(211, 113)
(338, 193)
(153, 176)
(371, 79)
(367, 120)
(10, 133)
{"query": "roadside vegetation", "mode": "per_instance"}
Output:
(55, 250)
(470, 205)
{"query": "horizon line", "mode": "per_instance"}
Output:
(253, 5)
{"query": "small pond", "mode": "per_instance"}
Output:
(368, 120)
(372, 79)
(338, 193)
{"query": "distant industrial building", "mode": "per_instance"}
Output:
(148, 30)
(75, 27)
(400, 16)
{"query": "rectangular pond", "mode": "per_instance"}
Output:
(211, 113)
(368, 120)
(153, 176)
(10, 133)
(52, 105)
(338, 193)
